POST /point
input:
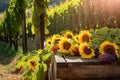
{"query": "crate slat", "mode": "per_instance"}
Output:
(80, 60)
(75, 67)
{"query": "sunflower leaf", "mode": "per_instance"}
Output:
(46, 57)
(40, 72)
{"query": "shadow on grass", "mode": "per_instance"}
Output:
(7, 54)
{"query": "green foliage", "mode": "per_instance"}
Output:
(76, 15)
(12, 19)
(22, 62)
(8, 51)
(16, 10)
(63, 17)
(37, 69)
(40, 72)
(40, 7)
(29, 27)
(105, 34)
(35, 19)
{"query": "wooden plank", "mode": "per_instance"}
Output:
(71, 59)
(59, 59)
(75, 61)
(89, 72)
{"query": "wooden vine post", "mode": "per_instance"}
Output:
(24, 35)
(23, 22)
(42, 31)
(38, 21)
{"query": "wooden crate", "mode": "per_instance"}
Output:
(75, 68)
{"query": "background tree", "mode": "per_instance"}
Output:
(11, 23)
(24, 35)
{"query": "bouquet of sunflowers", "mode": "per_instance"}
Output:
(83, 45)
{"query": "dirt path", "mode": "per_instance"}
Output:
(6, 75)
(7, 65)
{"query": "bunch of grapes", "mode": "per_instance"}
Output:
(107, 57)
(55, 48)
(76, 51)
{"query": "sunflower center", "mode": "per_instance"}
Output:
(77, 38)
(69, 36)
(49, 42)
(32, 63)
(86, 38)
(57, 40)
(87, 50)
(66, 45)
(109, 49)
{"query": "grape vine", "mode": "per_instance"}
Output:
(76, 15)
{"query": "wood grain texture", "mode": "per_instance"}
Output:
(72, 68)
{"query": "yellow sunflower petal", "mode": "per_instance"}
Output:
(75, 49)
(84, 36)
(69, 35)
(108, 47)
(48, 41)
(76, 38)
(56, 38)
(32, 63)
(65, 45)
(86, 51)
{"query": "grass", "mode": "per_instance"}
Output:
(7, 54)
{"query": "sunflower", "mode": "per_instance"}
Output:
(65, 45)
(76, 38)
(56, 39)
(32, 64)
(75, 49)
(84, 36)
(69, 35)
(86, 51)
(108, 47)
(48, 41)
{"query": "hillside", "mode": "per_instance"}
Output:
(3, 5)
(4, 1)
